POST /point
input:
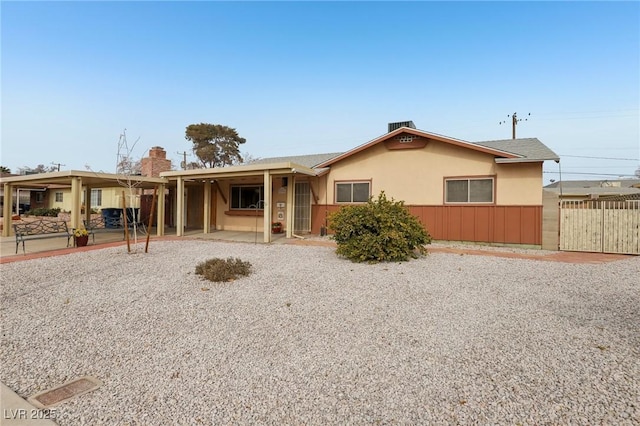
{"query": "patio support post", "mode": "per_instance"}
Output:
(290, 219)
(76, 202)
(207, 206)
(160, 212)
(180, 207)
(267, 206)
(87, 204)
(6, 210)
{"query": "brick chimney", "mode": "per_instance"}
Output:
(156, 162)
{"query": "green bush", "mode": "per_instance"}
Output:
(381, 230)
(41, 211)
(220, 270)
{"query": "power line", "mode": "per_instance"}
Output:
(591, 174)
(601, 158)
(57, 165)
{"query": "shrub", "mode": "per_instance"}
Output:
(42, 211)
(220, 270)
(381, 230)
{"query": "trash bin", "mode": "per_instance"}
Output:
(111, 216)
(133, 214)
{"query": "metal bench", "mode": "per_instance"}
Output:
(102, 224)
(40, 229)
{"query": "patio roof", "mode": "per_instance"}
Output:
(239, 171)
(92, 179)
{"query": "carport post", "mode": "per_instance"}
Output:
(160, 212)
(76, 202)
(180, 207)
(6, 210)
(207, 207)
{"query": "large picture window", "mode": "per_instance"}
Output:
(469, 190)
(353, 192)
(245, 197)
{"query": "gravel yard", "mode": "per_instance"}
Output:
(312, 339)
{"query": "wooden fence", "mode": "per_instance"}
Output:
(600, 226)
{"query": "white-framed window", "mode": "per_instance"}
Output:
(353, 192)
(469, 190)
(247, 197)
(58, 197)
(96, 197)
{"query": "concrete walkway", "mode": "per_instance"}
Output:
(15, 411)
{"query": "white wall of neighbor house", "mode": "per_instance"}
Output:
(417, 175)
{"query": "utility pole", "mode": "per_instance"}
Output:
(57, 165)
(514, 122)
(184, 160)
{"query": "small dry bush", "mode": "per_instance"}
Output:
(220, 270)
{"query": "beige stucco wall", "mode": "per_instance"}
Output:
(225, 221)
(417, 175)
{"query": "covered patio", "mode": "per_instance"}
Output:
(212, 200)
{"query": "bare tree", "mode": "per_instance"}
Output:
(126, 167)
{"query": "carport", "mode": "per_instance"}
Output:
(78, 181)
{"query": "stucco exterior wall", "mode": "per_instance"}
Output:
(227, 220)
(111, 197)
(417, 175)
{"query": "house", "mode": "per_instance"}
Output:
(487, 191)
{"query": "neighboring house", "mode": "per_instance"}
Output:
(595, 189)
(484, 191)
(56, 196)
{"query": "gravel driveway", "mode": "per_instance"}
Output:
(312, 339)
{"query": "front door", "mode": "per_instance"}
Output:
(302, 208)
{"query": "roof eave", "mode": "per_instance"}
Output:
(246, 170)
(523, 160)
(422, 133)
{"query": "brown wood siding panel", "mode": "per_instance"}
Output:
(195, 206)
(491, 224)
(318, 214)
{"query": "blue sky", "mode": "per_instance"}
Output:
(310, 77)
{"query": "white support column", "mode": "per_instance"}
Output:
(6, 210)
(76, 202)
(160, 213)
(207, 207)
(180, 208)
(267, 206)
(290, 199)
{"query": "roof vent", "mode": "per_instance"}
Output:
(398, 124)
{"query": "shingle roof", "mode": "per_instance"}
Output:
(304, 160)
(529, 148)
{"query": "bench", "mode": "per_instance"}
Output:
(40, 229)
(102, 224)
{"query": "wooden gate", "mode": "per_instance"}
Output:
(600, 226)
